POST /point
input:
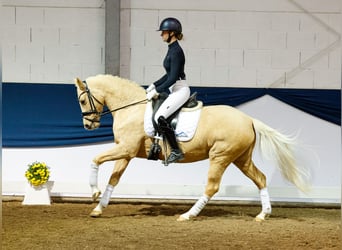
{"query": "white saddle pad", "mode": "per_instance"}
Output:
(186, 125)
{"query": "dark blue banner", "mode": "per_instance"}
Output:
(46, 115)
(37, 115)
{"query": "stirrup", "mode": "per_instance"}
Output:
(175, 155)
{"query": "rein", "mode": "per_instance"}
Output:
(126, 106)
(93, 109)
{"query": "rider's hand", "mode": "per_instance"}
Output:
(150, 88)
(151, 94)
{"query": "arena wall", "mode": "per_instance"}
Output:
(238, 43)
(264, 43)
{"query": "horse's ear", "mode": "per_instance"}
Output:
(79, 84)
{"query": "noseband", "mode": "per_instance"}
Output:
(93, 110)
(91, 99)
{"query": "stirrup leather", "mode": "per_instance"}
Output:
(154, 151)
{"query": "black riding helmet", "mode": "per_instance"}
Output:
(171, 24)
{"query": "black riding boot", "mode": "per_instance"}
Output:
(176, 153)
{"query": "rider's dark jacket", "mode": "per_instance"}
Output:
(174, 65)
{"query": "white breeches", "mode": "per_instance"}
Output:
(179, 95)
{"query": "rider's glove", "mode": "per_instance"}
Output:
(151, 94)
(150, 88)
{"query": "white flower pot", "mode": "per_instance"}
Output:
(37, 195)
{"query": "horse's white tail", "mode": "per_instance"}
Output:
(273, 144)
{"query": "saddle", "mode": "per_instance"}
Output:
(172, 119)
(190, 104)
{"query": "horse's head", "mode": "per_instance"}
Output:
(91, 105)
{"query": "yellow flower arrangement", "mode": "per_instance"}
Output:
(37, 173)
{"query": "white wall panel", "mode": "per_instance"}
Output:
(43, 72)
(283, 27)
(285, 59)
(266, 77)
(55, 3)
(288, 29)
(57, 38)
(327, 79)
(7, 15)
(271, 40)
(29, 16)
(285, 21)
(257, 59)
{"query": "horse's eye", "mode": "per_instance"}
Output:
(83, 102)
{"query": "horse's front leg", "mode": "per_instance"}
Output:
(96, 192)
(117, 153)
(119, 169)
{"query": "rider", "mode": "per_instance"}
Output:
(173, 83)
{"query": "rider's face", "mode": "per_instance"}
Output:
(165, 35)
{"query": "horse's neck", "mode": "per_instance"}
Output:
(121, 95)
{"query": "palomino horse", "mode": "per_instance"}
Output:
(224, 135)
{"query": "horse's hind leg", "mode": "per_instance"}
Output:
(216, 171)
(246, 165)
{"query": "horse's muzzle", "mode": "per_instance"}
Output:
(87, 126)
(91, 124)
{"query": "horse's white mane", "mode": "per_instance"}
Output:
(114, 79)
(123, 88)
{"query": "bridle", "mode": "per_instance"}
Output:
(92, 99)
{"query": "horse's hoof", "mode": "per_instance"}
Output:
(95, 214)
(183, 218)
(261, 217)
(96, 195)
